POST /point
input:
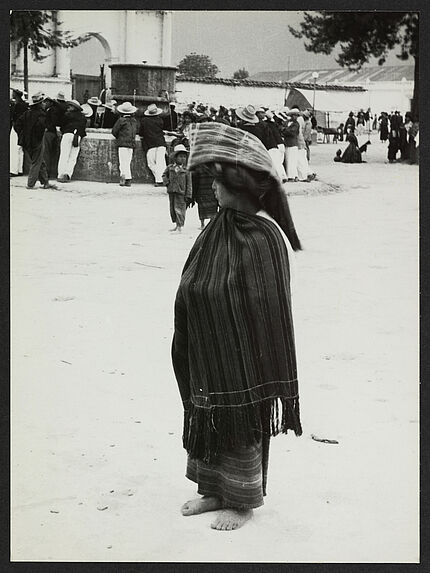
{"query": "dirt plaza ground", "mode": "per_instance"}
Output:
(97, 462)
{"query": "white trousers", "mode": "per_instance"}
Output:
(156, 159)
(291, 158)
(278, 160)
(302, 165)
(16, 154)
(68, 156)
(125, 155)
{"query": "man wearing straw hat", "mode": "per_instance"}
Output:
(291, 133)
(73, 130)
(31, 127)
(125, 130)
(151, 131)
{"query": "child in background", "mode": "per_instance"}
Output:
(124, 131)
(179, 187)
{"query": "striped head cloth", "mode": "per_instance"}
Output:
(217, 142)
(220, 143)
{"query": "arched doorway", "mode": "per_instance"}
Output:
(89, 63)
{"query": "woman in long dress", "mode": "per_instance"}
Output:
(233, 349)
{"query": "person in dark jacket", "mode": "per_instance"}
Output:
(16, 153)
(247, 120)
(31, 127)
(170, 120)
(350, 123)
(55, 111)
(290, 133)
(178, 181)
(151, 131)
(73, 130)
(95, 103)
(277, 147)
(383, 126)
(110, 115)
(394, 137)
(125, 130)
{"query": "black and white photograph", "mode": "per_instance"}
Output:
(214, 286)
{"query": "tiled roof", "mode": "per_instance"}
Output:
(266, 84)
(339, 75)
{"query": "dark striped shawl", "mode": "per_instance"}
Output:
(233, 349)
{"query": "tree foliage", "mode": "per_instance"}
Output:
(360, 35)
(36, 30)
(197, 66)
(241, 74)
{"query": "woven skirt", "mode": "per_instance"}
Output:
(238, 477)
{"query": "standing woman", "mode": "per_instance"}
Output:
(233, 349)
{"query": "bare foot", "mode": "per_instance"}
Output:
(200, 505)
(230, 519)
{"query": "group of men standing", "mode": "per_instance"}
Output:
(49, 130)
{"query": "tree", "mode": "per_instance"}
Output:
(197, 66)
(37, 30)
(362, 35)
(241, 74)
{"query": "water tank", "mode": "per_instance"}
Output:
(143, 84)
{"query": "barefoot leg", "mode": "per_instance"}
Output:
(201, 505)
(230, 519)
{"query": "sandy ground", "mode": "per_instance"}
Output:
(97, 462)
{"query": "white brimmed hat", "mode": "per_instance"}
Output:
(247, 113)
(152, 110)
(60, 96)
(75, 103)
(87, 110)
(94, 101)
(110, 104)
(294, 111)
(126, 107)
(39, 97)
(179, 148)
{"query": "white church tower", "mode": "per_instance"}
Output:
(127, 37)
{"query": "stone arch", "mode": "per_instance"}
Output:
(106, 47)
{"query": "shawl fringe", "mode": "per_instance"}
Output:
(209, 431)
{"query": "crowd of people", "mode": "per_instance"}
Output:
(402, 135)
(50, 131)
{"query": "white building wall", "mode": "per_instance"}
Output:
(228, 95)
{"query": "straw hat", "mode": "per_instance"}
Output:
(60, 96)
(39, 97)
(87, 110)
(126, 108)
(179, 148)
(110, 104)
(75, 104)
(294, 111)
(94, 101)
(247, 113)
(280, 115)
(152, 110)
(306, 113)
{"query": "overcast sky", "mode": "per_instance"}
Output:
(256, 40)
